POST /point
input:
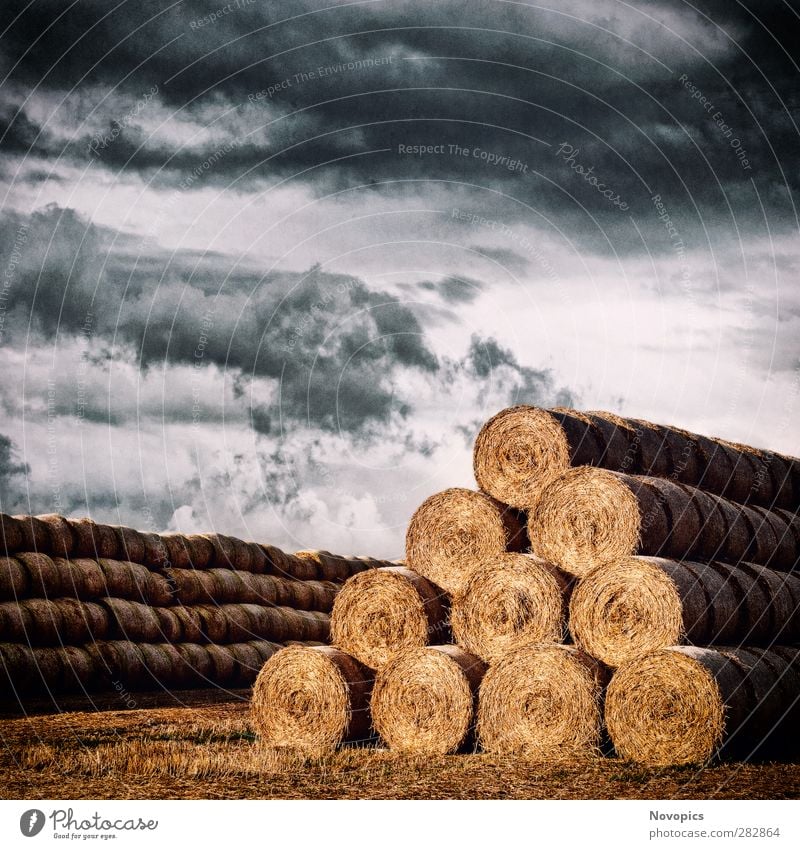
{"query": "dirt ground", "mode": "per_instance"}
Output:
(200, 745)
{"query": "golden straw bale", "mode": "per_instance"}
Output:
(214, 624)
(617, 437)
(330, 567)
(222, 545)
(238, 621)
(191, 586)
(311, 699)
(682, 705)
(453, 529)
(509, 600)
(35, 534)
(542, 701)
(14, 579)
(424, 699)
(383, 611)
(588, 517)
(518, 450)
(288, 565)
(178, 550)
(258, 560)
(130, 544)
(92, 539)
(11, 534)
(156, 554)
(45, 578)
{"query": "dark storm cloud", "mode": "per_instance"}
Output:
(331, 343)
(455, 290)
(12, 475)
(619, 86)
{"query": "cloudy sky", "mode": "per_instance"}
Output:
(267, 266)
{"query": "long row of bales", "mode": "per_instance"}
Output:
(87, 607)
(612, 585)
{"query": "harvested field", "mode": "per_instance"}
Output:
(200, 744)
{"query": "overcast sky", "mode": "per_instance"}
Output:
(267, 266)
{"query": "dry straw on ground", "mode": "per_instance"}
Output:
(510, 599)
(383, 611)
(311, 699)
(588, 517)
(542, 701)
(453, 529)
(683, 705)
(424, 699)
(638, 604)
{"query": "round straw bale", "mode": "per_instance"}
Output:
(319, 627)
(125, 663)
(618, 438)
(716, 465)
(311, 699)
(198, 666)
(200, 549)
(518, 450)
(82, 621)
(79, 673)
(214, 624)
(45, 576)
(11, 534)
(785, 551)
(453, 529)
(190, 622)
(169, 624)
(14, 579)
(19, 667)
(327, 566)
(325, 593)
(50, 665)
(685, 455)
(743, 474)
(768, 605)
(178, 550)
(542, 701)
(190, 586)
(383, 611)
(35, 534)
(265, 649)
(263, 589)
(158, 590)
(509, 600)
(585, 517)
(248, 663)
(686, 512)
(61, 540)
(237, 618)
(281, 563)
(267, 622)
(735, 528)
(223, 663)
(299, 595)
(130, 544)
(46, 622)
(669, 706)
(229, 586)
(258, 560)
(156, 554)
(123, 579)
(160, 665)
(620, 610)
(132, 620)
(242, 556)
(16, 622)
(653, 453)
(223, 551)
(424, 699)
(86, 536)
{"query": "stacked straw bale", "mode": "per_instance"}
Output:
(521, 448)
(86, 607)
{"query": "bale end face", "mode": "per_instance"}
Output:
(665, 708)
(517, 451)
(510, 599)
(624, 609)
(585, 517)
(311, 699)
(542, 701)
(383, 611)
(423, 702)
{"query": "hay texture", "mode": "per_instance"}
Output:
(381, 612)
(311, 699)
(424, 699)
(684, 705)
(510, 599)
(542, 701)
(638, 604)
(588, 517)
(520, 449)
(452, 530)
